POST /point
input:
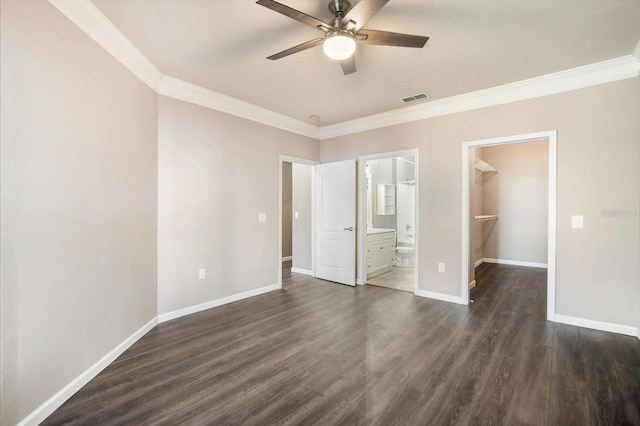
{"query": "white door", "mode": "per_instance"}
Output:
(336, 222)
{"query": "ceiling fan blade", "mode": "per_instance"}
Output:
(295, 14)
(362, 12)
(348, 65)
(391, 39)
(299, 48)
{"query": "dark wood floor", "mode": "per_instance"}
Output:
(322, 353)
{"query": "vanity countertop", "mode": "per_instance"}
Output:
(373, 231)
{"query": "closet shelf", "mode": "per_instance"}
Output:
(483, 171)
(486, 217)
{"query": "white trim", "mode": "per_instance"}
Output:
(92, 21)
(215, 303)
(478, 262)
(49, 406)
(472, 284)
(302, 271)
(636, 54)
(563, 81)
(96, 25)
(287, 258)
(178, 89)
(551, 136)
(279, 266)
(440, 296)
(598, 325)
(514, 263)
(362, 211)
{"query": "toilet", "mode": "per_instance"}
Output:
(405, 255)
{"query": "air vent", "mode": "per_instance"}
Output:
(418, 97)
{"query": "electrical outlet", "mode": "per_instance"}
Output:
(441, 267)
(201, 274)
(297, 215)
(262, 217)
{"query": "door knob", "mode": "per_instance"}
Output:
(348, 229)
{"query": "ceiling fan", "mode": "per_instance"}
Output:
(342, 34)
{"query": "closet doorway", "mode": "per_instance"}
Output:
(387, 220)
(509, 215)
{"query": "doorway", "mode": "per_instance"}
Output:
(296, 215)
(388, 227)
(476, 171)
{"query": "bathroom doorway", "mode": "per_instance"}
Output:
(387, 225)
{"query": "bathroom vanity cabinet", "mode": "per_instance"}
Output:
(380, 251)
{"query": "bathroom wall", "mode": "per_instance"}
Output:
(302, 225)
(78, 207)
(518, 194)
(405, 168)
(286, 209)
(405, 198)
(383, 172)
(598, 267)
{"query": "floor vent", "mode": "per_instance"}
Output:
(417, 97)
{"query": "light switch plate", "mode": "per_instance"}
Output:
(297, 215)
(262, 217)
(577, 222)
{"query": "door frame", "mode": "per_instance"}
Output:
(551, 137)
(312, 163)
(362, 212)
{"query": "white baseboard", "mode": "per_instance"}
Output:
(302, 271)
(478, 262)
(440, 296)
(512, 262)
(472, 284)
(598, 325)
(214, 303)
(286, 258)
(53, 403)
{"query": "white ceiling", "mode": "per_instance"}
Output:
(474, 44)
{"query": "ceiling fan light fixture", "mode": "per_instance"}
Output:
(339, 47)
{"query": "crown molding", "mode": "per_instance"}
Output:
(563, 81)
(92, 21)
(96, 25)
(181, 90)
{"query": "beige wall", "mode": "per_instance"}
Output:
(79, 179)
(518, 194)
(216, 173)
(302, 226)
(287, 194)
(598, 268)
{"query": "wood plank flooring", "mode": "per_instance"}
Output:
(322, 353)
